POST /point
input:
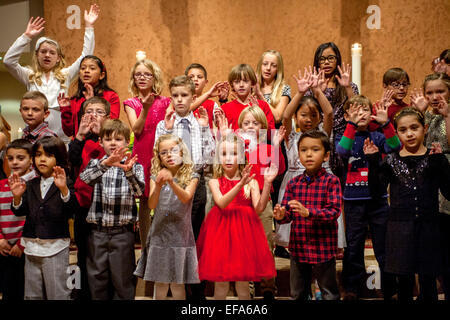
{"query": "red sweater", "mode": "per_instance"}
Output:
(10, 226)
(209, 106)
(392, 110)
(234, 108)
(69, 115)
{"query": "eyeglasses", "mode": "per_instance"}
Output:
(146, 75)
(174, 150)
(100, 113)
(330, 59)
(397, 85)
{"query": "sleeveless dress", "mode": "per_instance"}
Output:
(232, 245)
(170, 254)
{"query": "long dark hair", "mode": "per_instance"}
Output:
(53, 146)
(102, 84)
(340, 95)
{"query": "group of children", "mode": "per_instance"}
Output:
(211, 178)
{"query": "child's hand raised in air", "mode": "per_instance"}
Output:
(246, 176)
(386, 99)
(381, 115)
(222, 123)
(129, 162)
(85, 126)
(202, 117)
(353, 113)
(279, 212)
(169, 119)
(318, 79)
(60, 179)
(215, 90)
(148, 100)
(418, 101)
(369, 147)
(224, 91)
(435, 148)
(34, 27)
(270, 173)
(63, 101)
(278, 137)
(303, 83)
(17, 186)
(252, 101)
(345, 73)
(297, 207)
(89, 92)
(91, 17)
(442, 107)
(115, 157)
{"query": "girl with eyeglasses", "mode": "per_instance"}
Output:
(144, 110)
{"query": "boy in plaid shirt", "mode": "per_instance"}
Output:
(117, 179)
(312, 201)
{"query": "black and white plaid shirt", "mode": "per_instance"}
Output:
(114, 192)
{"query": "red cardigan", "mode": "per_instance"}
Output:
(69, 115)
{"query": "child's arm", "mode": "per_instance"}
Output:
(378, 170)
(327, 109)
(18, 187)
(345, 80)
(444, 175)
(93, 172)
(208, 143)
(155, 190)
(392, 142)
(270, 174)
(214, 91)
(345, 144)
(332, 208)
(12, 56)
(89, 41)
(223, 200)
(137, 124)
(185, 195)
(134, 172)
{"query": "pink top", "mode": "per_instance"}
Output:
(143, 143)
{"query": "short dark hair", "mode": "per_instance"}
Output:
(54, 146)
(409, 111)
(316, 134)
(21, 144)
(196, 66)
(182, 81)
(394, 74)
(97, 99)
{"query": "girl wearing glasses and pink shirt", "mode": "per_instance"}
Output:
(144, 110)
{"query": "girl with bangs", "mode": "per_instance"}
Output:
(170, 258)
(144, 111)
(48, 73)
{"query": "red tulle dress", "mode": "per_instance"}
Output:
(232, 245)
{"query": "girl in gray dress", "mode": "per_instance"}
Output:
(170, 256)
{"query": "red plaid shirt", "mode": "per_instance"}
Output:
(313, 239)
(41, 131)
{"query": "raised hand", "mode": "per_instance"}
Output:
(169, 119)
(63, 101)
(252, 101)
(115, 157)
(418, 101)
(435, 148)
(270, 173)
(34, 27)
(298, 208)
(92, 16)
(17, 186)
(353, 113)
(202, 117)
(214, 91)
(129, 163)
(59, 176)
(369, 147)
(148, 100)
(89, 92)
(246, 177)
(224, 91)
(279, 212)
(322, 83)
(278, 137)
(381, 115)
(222, 123)
(442, 107)
(85, 125)
(303, 83)
(345, 73)
(386, 99)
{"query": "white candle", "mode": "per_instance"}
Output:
(19, 133)
(356, 64)
(140, 55)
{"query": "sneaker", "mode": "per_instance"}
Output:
(268, 296)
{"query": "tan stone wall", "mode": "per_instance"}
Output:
(220, 34)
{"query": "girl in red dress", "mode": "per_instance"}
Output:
(232, 245)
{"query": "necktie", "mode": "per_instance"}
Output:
(186, 134)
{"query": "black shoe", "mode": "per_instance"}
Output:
(268, 296)
(281, 252)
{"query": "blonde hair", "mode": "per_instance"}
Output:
(37, 73)
(184, 173)
(242, 160)
(158, 82)
(257, 113)
(277, 88)
(35, 96)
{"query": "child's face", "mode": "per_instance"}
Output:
(269, 67)
(410, 132)
(143, 78)
(44, 162)
(307, 117)
(229, 157)
(328, 61)
(33, 113)
(435, 91)
(90, 72)
(251, 125)
(363, 113)
(312, 154)
(47, 56)
(242, 88)
(19, 161)
(170, 154)
(198, 77)
(182, 99)
(97, 110)
(113, 142)
(400, 89)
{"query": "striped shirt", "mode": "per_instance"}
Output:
(41, 131)
(113, 202)
(10, 225)
(313, 239)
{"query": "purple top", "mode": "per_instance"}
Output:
(143, 143)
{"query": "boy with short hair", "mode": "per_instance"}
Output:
(12, 259)
(84, 147)
(197, 73)
(34, 111)
(395, 85)
(364, 204)
(117, 179)
(312, 202)
(196, 134)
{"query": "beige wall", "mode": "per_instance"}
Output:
(220, 34)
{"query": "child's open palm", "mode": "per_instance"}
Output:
(63, 101)
(202, 117)
(92, 16)
(442, 107)
(129, 162)
(59, 176)
(270, 173)
(381, 115)
(369, 147)
(89, 92)
(169, 119)
(246, 174)
(115, 157)
(344, 72)
(418, 101)
(34, 27)
(279, 135)
(386, 99)
(303, 82)
(17, 185)
(353, 113)
(279, 212)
